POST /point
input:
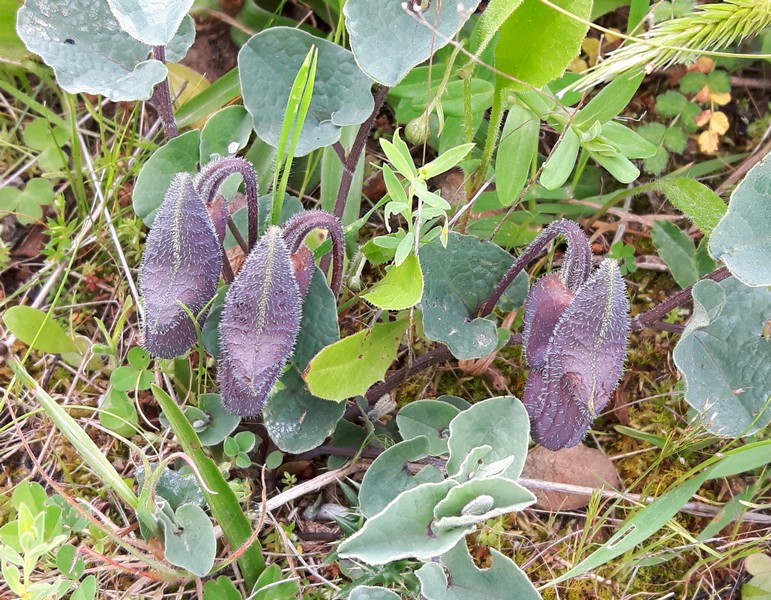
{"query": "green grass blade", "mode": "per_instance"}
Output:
(218, 94)
(223, 503)
(653, 517)
(89, 451)
(296, 111)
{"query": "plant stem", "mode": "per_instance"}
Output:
(496, 116)
(574, 272)
(352, 158)
(214, 175)
(161, 98)
(678, 298)
(649, 319)
(299, 226)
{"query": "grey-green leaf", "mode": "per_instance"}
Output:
(176, 156)
(429, 418)
(726, 359)
(370, 592)
(742, 239)
(189, 542)
(477, 500)
(154, 22)
(501, 423)
(268, 64)
(88, 49)
(297, 420)
(226, 132)
(411, 514)
(388, 475)
(457, 279)
(388, 41)
(456, 577)
(318, 327)
(221, 423)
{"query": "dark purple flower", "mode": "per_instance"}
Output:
(180, 270)
(259, 326)
(583, 361)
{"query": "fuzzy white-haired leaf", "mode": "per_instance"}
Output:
(259, 326)
(181, 267)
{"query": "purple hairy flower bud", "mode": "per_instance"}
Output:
(181, 268)
(572, 382)
(260, 322)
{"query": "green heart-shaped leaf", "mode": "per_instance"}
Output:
(388, 41)
(268, 64)
(90, 52)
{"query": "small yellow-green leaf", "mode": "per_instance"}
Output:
(537, 42)
(39, 331)
(401, 288)
(349, 367)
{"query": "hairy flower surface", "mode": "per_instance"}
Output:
(259, 326)
(181, 268)
(576, 346)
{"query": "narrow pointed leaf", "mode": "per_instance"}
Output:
(584, 359)
(259, 326)
(181, 266)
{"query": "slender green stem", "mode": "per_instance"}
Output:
(496, 116)
(223, 502)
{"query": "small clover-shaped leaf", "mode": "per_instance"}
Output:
(27, 204)
(180, 270)
(259, 325)
(47, 140)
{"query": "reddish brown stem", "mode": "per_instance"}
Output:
(161, 98)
